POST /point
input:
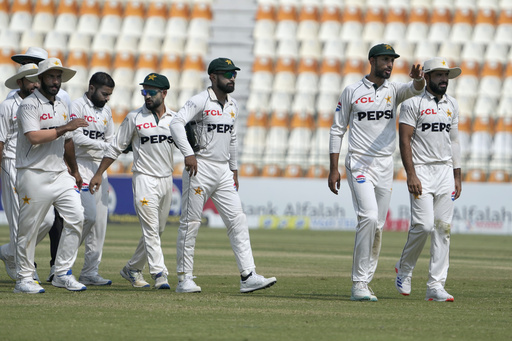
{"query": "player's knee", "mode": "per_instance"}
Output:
(236, 222)
(443, 227)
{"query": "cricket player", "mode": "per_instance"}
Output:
(90, 146)
(429, 146)
(147, 130)
(369, 108)
(43, 179)
(211, 172)
(8, 139)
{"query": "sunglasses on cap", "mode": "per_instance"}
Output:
(151, 93)
(228, 74)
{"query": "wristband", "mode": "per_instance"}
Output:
(419, 79)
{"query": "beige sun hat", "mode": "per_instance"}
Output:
(23, 71)
(34, 54)
(439, 63)
(53, 64)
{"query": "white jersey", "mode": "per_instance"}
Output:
(35, 113)
(9, 125)
(213, 125)
(62, 94)
(371, 115)
(436, 126)
(150, 139)
(91, 142)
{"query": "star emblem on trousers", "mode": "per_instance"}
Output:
(144, 202)
(198, 190)
(26, 200)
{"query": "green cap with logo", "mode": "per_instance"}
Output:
(382, 50)
(222, 64)
(156, 80)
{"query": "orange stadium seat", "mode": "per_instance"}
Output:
(307, 28)
(57, 42)
(330, 76)
(451, 52)
(156, 19)
(286, 27)
(4, 14)
(462, 26)
(275, 145)
(100, 61)
(67, 16)
(285, 75)
(334, 49)
(396, 27)
(103, 43)
(173, 45)
(89, 17)
(146, 63)
(127, 43)
(330, 23)
(21, 15)
(124, 68)
(170, 66)
(485, 25)
(310, 49)
(191, 78)
(111, 17)
(178, 20)
(500, 164)
(504, 28)
(417, 28)
(374, 23)
(254, 144)
(31, 38)
(7, 66)
(265, 24)
(196, 46)
(307, 76)
(133, 18)
(199, 22)
(440, 24)
(401, 69)
(44, 16)
(79, 41)
(79, 61)
(299, 143)
(150, 44)
(352, 23)
(262, 75)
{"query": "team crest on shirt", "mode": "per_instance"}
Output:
(72, 116)
(361, 178)
(453, 196)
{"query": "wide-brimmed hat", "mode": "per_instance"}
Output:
(23, 71)
(382, 50)
(53, 64)
(222, 64)
(439, 63)
(34, 54)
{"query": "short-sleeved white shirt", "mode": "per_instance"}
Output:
(371, 115)
(151, 142)
(35, 113)
(433, 122)
(92, 141)
(9, 125)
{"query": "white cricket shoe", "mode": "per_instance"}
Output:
(10, 266)
(35, 276)
(134, 277)
(188, 285)
(361, 292)
(256, 282)
(94, 280)
(28, 286)
(439, 295)
(402, 283)
(68, 281)
(161, 281)
(52, 273)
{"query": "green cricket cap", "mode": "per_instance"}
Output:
(382, 50)
(222, 64)
(156, 80)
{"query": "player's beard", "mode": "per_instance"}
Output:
(436, 89)
(226, 88)
(98, 103)
(380, 73)
(52, 90)
(25, 91)
(153, 103)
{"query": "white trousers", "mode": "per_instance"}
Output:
(370, 180)
(152, 200)
(12, 209)
(95, 217)
(213, 180)
(37, 192)
(431, 214)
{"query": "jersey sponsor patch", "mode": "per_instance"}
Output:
(338, 107)
(453, 196)
(93, 134)
(361, 178)
(436, 127)
(375, 115)
(85, 187)
(156, 139)
(220, 128)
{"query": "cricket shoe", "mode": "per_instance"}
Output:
(439, 295)
(52, 273)
(10, 266)
(188, 285)
(28, 286)
(134, 277)
(256, 282)
(68, 281)
(161, 281)
(402, 283)
(94, 280)
(361, 292)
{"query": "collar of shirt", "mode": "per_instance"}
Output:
(432, 97)
(213, 96)
(17, 97)
(369, 84)
(88, 101)
(149, 112)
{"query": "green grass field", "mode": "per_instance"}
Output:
(311, 300)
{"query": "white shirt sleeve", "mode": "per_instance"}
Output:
(123, 137)
(340, 122)
(454, 138)
(408, 113)
(184, 115)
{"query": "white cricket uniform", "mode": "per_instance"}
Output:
(371, 115)
(43, 180)
(214, 126)
(152, 184)
(62, 94)
(433, 142)
(90, 145)
(9, 136)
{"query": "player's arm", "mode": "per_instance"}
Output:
(233, 166)
(69, 157)
(96, 180)
(48, 135)
(417, 75)
(454, 138)
(338, 130)
(406, 132)
(179, 134)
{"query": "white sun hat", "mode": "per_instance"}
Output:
(53, 64)
(439, 63)
(34, 54)
(23, 71)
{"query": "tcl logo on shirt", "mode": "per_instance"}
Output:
(156, 139)
(428, 112)
(435, 127)
(213, 112)
(90, 119)
(146, 125)
(45, 117)
(375, 115)
(364, 100)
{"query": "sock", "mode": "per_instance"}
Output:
(245, 278)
